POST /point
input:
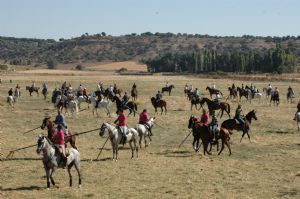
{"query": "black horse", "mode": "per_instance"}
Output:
(275, 98)
(131, 106)
(212, 105)
(195, 101)
(232, 124)
(168, 89)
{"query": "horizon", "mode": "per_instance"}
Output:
(69, 19)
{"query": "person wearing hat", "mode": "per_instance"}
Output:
(122, 125)
(125, 99)
(59, 142)
(213, 126)
(238, 115)
(158, 96)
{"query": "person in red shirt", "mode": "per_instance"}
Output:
(121, 120)
(204, 118)
(144, 120)
(59, 141)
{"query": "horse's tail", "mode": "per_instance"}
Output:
(228, 105)
(135, 106)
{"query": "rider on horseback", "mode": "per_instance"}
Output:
(213, 126)
(158, 96)
(122, 126)
(290, 91)
(239, 117)
(197, 93)
(218, 98)
(84, 93)
(10, 92)
(125, 99)
(59, 142)
(99, 99)
(32, 86)
(167, 84)
(204, 118)
(60, 120)
(134, 86)
(144, 119)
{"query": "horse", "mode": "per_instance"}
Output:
(275, 98)
(268, 92)
(52, 159)
(297, 118)
(232, 92)
(216, 106)
(107, 94)
(11, 101)
(131, 106)
(232, 124)
(213, 91)
(244, 92)
(167, 89)
(289, 96)
(134, 94)
(118, 91)
(82, 99)
(221, 133)
(161, 103)
(17, 93)
(199, 132)
(255, 96)
(35, 89)
(144, 133)
(116, 136)
(72, 105)
(102, 103)
(45, 92)
(51, 131)
(195, 101)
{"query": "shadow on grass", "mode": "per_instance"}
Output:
(16, 159)
(95, 160)
(29, 188)
(169, 153)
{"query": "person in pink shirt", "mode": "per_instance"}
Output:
(144, 119)
(121, 120)
(204, 118)
(59, 141)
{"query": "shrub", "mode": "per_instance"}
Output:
(80, 67)
(122, 70)
(3, 67)
(51, 64)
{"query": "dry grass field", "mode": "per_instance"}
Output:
(267, 168)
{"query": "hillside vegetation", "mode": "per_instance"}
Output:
(145, 47)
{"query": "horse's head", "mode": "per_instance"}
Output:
(250, 115)
(102, 129)
(192, 120)
(172, 86)
(40, 143)
(207, 88)
(151, 121)
(46, 122)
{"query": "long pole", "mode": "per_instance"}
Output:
(185, 139)
(31, 130)
(102, 148)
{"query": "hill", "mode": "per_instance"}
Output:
(100, 47)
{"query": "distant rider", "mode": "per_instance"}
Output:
(144, 118)
(121, 120)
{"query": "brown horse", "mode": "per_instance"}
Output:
(232, 92)
(35, 89)
(213, 91)
(134, 94)
(231, 124)
(51, 131)
(243, 92)
(167, 89)
(117, 91)
(216, 106)
(160, 103)
(202, 132)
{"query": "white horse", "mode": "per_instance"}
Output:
(11, 101)
(72, 105)
(82, 99)
(144, 133)
(255, 96)
(102, 103)
(60, 98)
(51, 160)
(297, 117)
(116, 136)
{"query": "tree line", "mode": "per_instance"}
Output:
(236, 60)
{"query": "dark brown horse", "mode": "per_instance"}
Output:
(275, 98)
(216, 106)
(117, 91)
(213, 91)
(51, 131)
(134, 94)
(131, 106)
(35, 89)
(167, 89)
(232, 92)
(161, 103)
(195, 101)
(221, 134)
(244, 92)
(231, 124)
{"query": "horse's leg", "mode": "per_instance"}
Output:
(222, 112)
(73, 141)
(77, 167)
(51, 176)
(70, 175)
(47, 176)
(107, 111)
(248, 136)
(242, 136)
(166, 110)
(222, 148)
(162, 110)
(140, 141)
(206, 147)
(132, 150)
(194, 144)
(228, 146)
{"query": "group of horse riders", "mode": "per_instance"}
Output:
(196, 93)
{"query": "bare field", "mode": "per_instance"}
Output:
(266, 168)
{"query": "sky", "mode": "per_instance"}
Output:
(54, 19)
